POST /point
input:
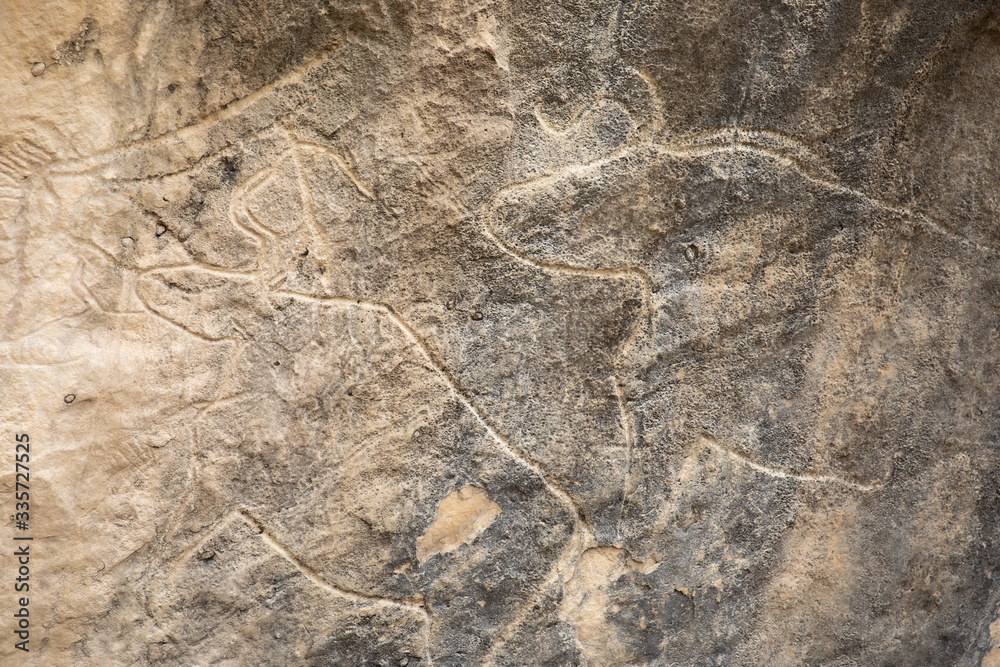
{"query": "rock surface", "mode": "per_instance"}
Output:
(527, 333)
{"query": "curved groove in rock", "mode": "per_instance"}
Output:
(929, 222)
(335, 588)
(341, 163)
(583, 534)
(267, 537)
(578, 543)
(631, 273)
(712, 443)
(511, 450)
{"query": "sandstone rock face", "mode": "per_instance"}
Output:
(369, 332)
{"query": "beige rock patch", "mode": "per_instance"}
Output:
(585, 601)
(992, 659)
(461, 517)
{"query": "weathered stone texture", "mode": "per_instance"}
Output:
(548, 333)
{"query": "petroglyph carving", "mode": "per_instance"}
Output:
(504, 334)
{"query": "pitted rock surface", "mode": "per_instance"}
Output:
(503, 333)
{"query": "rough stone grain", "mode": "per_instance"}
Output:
(371, 332)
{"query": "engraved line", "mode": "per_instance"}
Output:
(354, 596)
(8, 166)
(42, 326)
(202, 268)
(583, 534)
(928, 221)
(342, 163)
(569, 126)
(32, 149)
(578, 543)
(226, 379)
(93, 247)
(511, 450)
(195, 448)
(199, 544)
(578, 168)
(81, 289)
(332, 587)
(237, 208)
(650, 80)
(711, 442)
(152, 311)
(710, 143)
(23, 153)
(320, 234)
(21, 163)
(629, 273)
(278, 547)
(630, 447)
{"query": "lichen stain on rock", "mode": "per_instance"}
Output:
(462, 516)
(585, 602)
